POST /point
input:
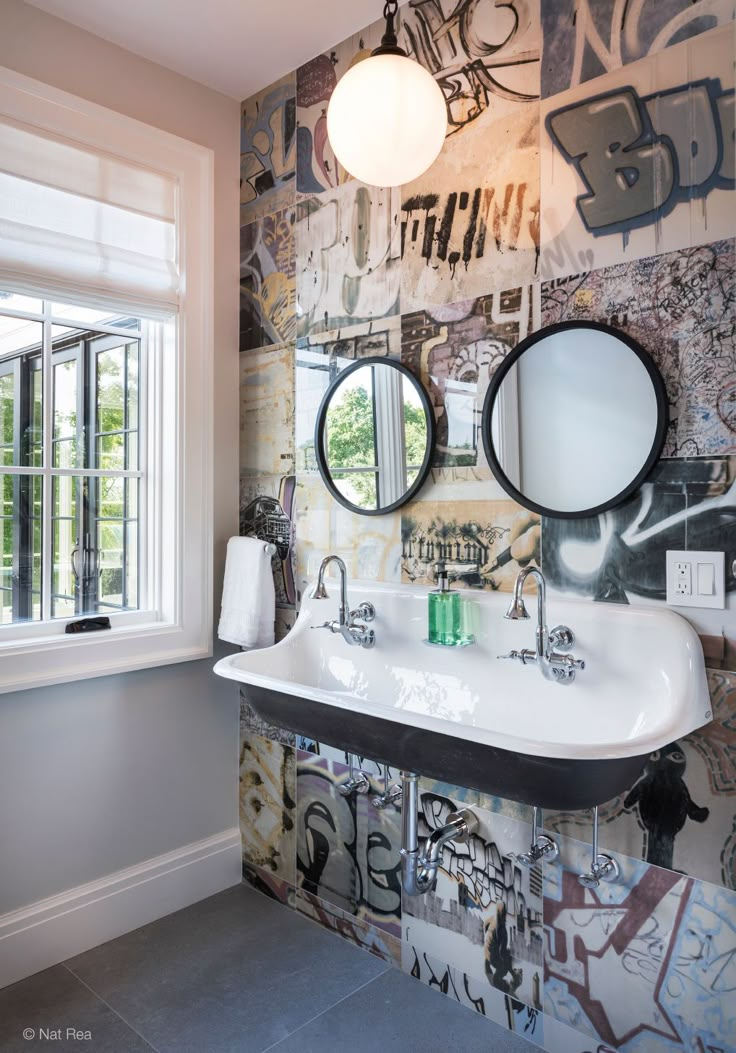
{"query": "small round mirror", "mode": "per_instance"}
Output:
(374, 436)
(574, 420)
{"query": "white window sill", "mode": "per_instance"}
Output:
(43, 660)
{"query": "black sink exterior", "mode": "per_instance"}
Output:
(548, 782)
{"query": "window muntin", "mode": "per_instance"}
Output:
(78, 551)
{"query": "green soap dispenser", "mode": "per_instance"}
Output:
(445, 619)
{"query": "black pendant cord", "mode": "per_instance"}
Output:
(389, 41)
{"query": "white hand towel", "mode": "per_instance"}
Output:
(248, 597)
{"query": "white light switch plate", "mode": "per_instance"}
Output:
(696, 579)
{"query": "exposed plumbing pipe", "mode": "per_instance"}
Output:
(419, 868)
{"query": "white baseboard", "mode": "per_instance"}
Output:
(51, 930)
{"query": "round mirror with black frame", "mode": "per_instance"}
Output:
(574, 419)
(374, 436)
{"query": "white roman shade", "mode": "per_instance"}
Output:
(80, 224)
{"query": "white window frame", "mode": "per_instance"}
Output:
(176, 624)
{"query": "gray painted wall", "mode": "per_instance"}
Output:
(105, 773)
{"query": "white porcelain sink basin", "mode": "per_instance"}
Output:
(463, 715)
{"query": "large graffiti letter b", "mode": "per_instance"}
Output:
(628, 176)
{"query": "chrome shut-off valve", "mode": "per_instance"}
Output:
(357, 781)
(602, 867)
(391, 793)
(542, 848)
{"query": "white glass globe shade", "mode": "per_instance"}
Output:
(387, 120)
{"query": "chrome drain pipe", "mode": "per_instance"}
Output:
(419, 868)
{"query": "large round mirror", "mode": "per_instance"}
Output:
(374, 436)
(574, 419)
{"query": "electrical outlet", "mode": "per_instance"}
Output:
(683, 578)
(696, 579)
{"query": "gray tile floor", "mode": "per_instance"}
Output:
(237, 972)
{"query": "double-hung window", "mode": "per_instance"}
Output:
(105, 390)
(71, 529)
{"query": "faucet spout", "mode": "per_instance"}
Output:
(517, 608)
(550, 647)
(320, 592)
(351, 631)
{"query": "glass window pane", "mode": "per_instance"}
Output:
(7, 417)
(89, 316)
(67, 441)
(20, 360)
(67, 554)
(111, 498)
(131, 570)
(358, 487)
(132, 353)
(112, 550)
(35, 431)
(111, 390)
(15, 302)
(20, 537)
(17, 335)
(111, 451)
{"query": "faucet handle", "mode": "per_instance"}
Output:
(526, 657)
(562, 638)
(364, 610)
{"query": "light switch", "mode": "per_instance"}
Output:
(696, 579)
(706, 579)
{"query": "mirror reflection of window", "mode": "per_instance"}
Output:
(350, 427)
(375, 436)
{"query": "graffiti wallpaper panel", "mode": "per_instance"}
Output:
(267, 411)
(267, 884)
(267, 805)
(584, 39)
(470, 223)
(348, 250)
(372, 553)
(267, 286)
(317, 167)
(484, 916)
(619, 556)
(483, 56)
(454, 351)
(474, 994)
(367, 937)
(268, 150)
(634, 226)
(643, 966)
(681, 308)
(483, 543)
(640, 161)
(347, 850)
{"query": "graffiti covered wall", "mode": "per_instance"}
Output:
(588, 173)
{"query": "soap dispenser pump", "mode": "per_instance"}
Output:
(444, 611)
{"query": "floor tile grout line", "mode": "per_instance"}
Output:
(329, 1009)
(111, 1008)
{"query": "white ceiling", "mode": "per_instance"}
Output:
(234, 46)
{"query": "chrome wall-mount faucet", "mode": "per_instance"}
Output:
(551, 645)
(352, 631)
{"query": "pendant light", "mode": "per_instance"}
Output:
(387, 118)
